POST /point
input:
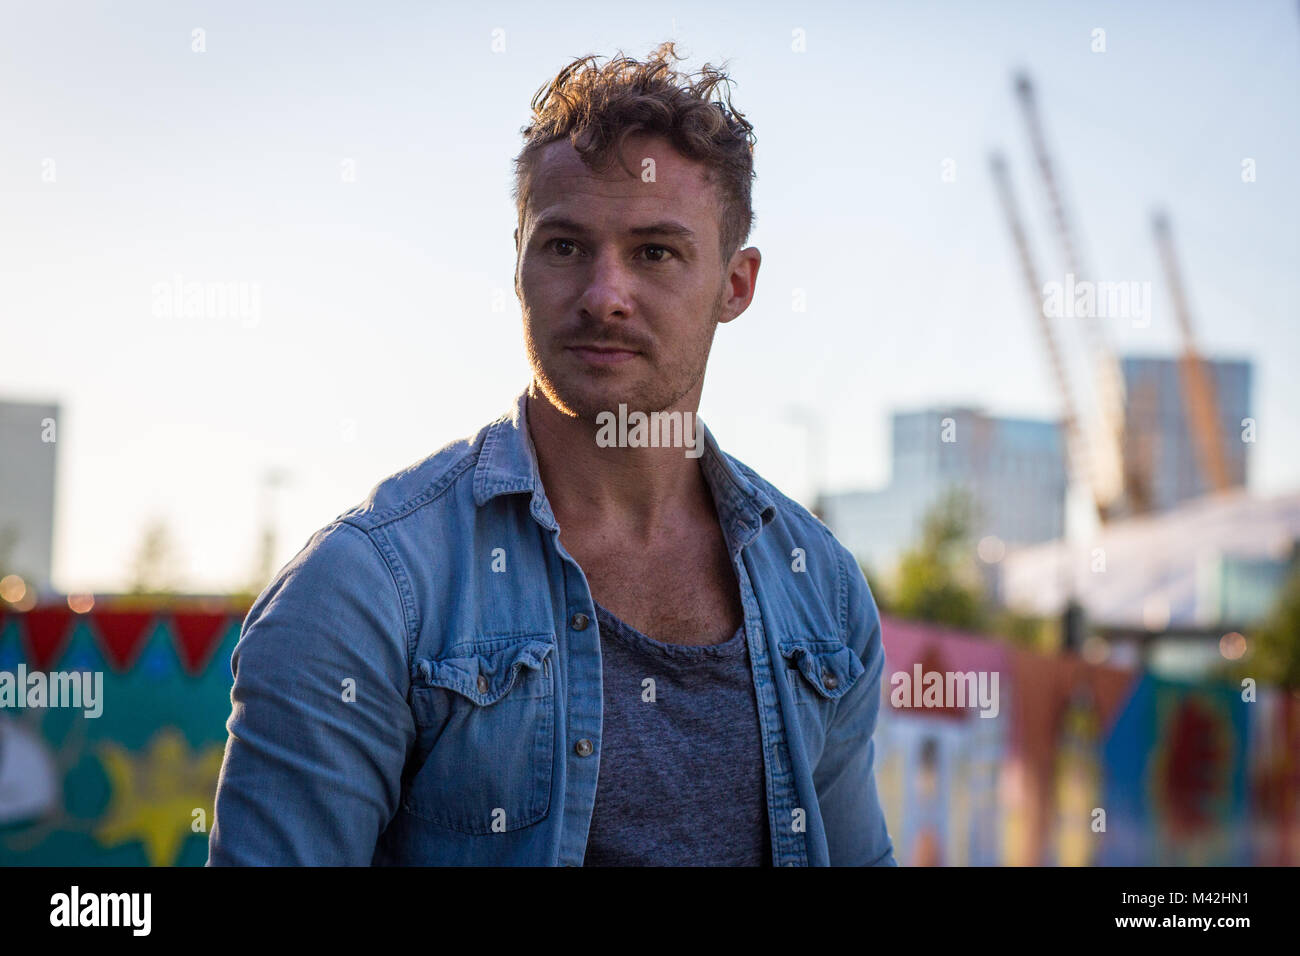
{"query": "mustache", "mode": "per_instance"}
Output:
(602, 339)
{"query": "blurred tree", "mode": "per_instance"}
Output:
(155, 567)
(1024, 630)
(876, 582)
(1277, 642)
(936, 580)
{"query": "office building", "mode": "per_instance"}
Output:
(1159, 449)
(1013, 470)
(28, 443)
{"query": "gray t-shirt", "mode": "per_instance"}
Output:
(681, 762)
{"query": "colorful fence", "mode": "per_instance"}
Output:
(1184, 774)
(1084, 765)
(134, 785)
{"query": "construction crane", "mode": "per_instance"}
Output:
(1077, 460)
(1199, 394)
(1106, 456)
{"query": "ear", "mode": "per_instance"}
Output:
(742, 280)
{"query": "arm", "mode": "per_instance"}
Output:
(845, 778)
(310, 777)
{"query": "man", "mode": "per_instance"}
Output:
(575, 639)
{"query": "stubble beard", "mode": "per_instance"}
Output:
(585, 395)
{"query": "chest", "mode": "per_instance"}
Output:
(679, 592)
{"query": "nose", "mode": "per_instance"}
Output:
(607, 294)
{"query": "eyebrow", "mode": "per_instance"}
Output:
(666, 227)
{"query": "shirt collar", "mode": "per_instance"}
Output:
(507, 464)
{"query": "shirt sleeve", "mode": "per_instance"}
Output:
(319, 726)
(845, 780)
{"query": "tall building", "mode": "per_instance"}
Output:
(1013, 469)
(27, 471)
(1159, 448)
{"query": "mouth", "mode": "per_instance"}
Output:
(603, 355)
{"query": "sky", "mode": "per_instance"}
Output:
(347, 168)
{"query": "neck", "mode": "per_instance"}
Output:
(636, 493)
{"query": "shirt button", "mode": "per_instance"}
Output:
(482, 684)
(583, 747)
(579, 621)
(830, 680)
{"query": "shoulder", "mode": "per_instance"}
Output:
(420, 485)
(354, 538)
(796, 531)
(794, 519)
(350, 564)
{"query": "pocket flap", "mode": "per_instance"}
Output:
(830, 667)
(485, 670)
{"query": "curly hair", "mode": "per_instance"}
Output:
(596, 108)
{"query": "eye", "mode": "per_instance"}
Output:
(553, 243)
(662, 253)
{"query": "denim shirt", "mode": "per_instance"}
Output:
(421, 684)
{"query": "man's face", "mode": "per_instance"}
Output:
(621, 280)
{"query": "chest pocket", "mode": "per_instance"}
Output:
(820, 673)
(826, 670)
(485, 734)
